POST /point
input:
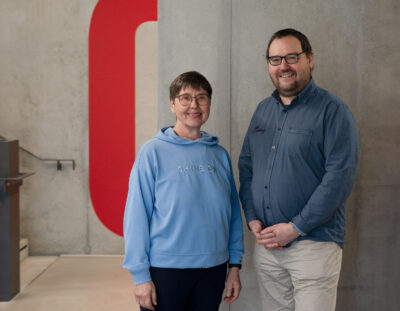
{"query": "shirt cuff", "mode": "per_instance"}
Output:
(297, 229)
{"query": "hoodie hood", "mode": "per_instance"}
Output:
(168, 134)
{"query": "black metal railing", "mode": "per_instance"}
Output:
(59, 162)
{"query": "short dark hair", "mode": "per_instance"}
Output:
(305, 44)
(192, 79)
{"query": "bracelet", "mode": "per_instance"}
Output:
(236, 265)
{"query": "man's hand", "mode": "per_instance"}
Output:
(145, 295)
(256, 226)
(233, 285)
(277, 236)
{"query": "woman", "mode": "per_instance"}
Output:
(182, 222)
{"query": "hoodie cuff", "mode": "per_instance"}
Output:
(141, 276)
(235, 257)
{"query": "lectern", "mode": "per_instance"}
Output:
(10, 181)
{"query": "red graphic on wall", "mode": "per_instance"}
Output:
(112, 103)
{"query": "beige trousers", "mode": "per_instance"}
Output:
(301, 277)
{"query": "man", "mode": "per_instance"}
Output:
(297, 168)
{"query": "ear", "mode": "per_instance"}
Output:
(171, 103)
(311, 60)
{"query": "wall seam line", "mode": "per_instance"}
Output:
(230, 84)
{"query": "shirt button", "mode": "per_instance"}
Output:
(267, 207)
(273, 147)
(266, 187)
(279, 128)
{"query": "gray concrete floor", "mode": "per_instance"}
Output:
(73, 283)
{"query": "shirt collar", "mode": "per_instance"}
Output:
(302, 96)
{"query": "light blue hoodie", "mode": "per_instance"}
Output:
(182, 209)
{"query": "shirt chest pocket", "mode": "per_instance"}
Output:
(298, 142)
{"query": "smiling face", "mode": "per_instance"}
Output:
(190, 119)
(290, 79)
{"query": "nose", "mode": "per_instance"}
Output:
(194, 102)
(284, 64)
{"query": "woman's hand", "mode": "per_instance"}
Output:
(233, 285)
(145, 295)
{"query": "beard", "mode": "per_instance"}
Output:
(294, 88)
(288, 91)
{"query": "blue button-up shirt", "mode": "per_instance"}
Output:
(298, 163)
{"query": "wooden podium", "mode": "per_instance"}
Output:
(10, 181)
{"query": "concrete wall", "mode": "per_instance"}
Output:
(196, 35)
(44, 104)
(356, 55)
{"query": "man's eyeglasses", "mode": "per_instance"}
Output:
(291, 58)
(186, 99)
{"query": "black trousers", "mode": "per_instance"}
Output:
(188, 289)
